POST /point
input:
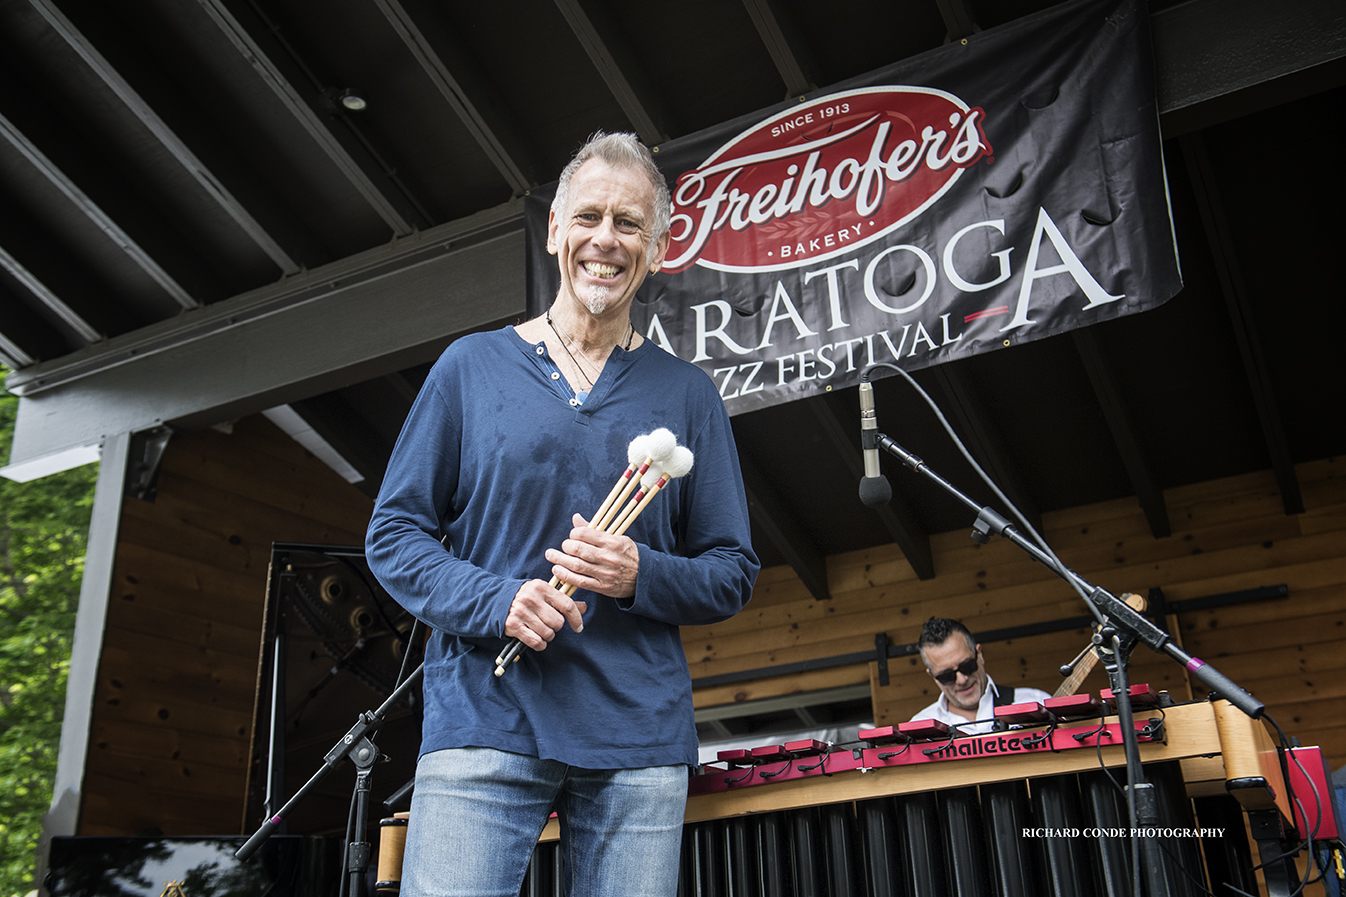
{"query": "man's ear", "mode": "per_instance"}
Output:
(551, 232)
(660, 249)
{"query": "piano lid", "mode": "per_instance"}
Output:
(187, 867)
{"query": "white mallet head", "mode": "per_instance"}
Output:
(679, 463)
(652, 475)
(639, 449)
(661, 444)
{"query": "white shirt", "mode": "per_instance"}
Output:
(985, 708)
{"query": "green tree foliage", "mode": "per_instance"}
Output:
(44, 527)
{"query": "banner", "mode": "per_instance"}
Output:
(1001, 189)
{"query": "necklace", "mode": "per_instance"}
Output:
(565, 344)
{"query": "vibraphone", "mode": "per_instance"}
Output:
(1034, 810)
(1029, 811)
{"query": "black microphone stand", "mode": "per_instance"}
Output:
(356, 745)
(1124, 627)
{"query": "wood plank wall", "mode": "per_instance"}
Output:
(176, 684)
(174, 699)
(1228, 535)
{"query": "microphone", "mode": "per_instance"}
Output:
(874, 489)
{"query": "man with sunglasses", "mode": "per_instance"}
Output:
(954, 660)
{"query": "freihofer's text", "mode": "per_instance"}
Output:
(863, 185)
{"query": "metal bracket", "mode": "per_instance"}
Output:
(1278, 869)
(1158, 608)
(146, 454)
(881, 655)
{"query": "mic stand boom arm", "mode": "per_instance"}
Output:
(354, 744)
(1105, 606)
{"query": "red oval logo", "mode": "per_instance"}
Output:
(822, 179)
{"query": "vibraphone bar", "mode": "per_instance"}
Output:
(811, 759)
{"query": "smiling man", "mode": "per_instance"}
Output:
(954, 660)
(514, 436)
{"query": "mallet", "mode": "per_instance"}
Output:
(664, 460)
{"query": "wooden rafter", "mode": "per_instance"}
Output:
(779, 525)
(1124, 432)
(352, 156)
(175, 145)
(467, 92)
(1239, 306)
(897, 516)
(622, 73)
(785, 44)
(984, 439)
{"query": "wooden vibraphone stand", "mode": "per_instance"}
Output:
(1220, 750)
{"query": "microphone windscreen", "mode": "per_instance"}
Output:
(875, 491)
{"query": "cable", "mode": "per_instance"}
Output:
(345, 859)
(1306, 844)
(1059, 567)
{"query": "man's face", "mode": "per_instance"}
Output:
(602, 237)
(966, 689)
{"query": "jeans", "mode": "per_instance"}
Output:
(476, 815)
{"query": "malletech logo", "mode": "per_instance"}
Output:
(823, 178)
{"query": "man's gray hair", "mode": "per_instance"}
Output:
(620, 151)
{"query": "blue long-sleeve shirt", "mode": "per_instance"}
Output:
(495, 457)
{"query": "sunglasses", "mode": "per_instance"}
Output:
(949, 677)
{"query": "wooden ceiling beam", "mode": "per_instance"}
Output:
(159, 129)
(958, 21)
(349, 435)
(1239, 306)
(1124, 433)
(44, 294)
(897, 517)
(467, 90)
(346, 146)
(785, 44)
(26, 337)
(1216, 60)
(94, 213)
(984, 440)
(381, 311)
(774, 520)
(624, 75)
(12, 354)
